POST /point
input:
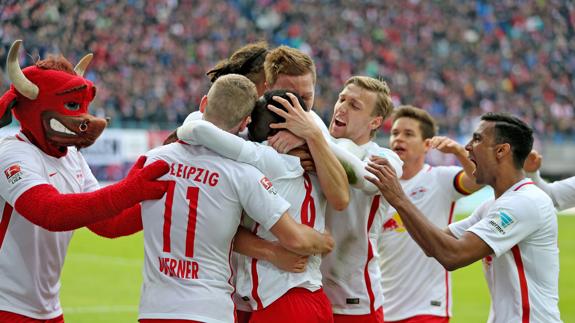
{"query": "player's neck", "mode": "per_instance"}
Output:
(410, 169)
(505, 180)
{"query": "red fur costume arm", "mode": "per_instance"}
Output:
(126, 223)
(44, 206)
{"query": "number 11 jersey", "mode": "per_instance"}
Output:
(188, 233)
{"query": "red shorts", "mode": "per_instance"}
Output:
(423, 319)
(17, 318)
(166, 321)
(375, 317)
(243, 316)
(297, 305)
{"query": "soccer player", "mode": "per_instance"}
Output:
(514, 234)
(46, 187)
(417, 288)
(273, 293)
(561, 192)
(187, 268)
(351, 274)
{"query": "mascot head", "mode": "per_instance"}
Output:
(50, 100)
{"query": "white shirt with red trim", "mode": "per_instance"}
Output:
(188, 233)
(522, 274)
(351, 274)
(414, 284)
(259, 283)
(31, 258)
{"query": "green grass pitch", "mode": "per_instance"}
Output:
(101, 280)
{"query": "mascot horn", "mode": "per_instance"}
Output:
(50, 100)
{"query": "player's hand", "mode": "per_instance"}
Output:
(533, 162)
(447, 145)
(285, 141)
(298, 121)
(385, 179)
(287, 260)
(305, 158)
(328, 242)
(142, 181)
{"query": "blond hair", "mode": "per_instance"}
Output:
(383, 103)
(231, 98)
(289, 61)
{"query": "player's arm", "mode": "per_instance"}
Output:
(331, 174)
(201, 132)
(124, 224)
(300, 238)
(44, 206)
(253, 246)
(451, 252)
(449, 146)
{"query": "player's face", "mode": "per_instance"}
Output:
(407, 141)
(352, 117)
(482, 152)
(301, 84)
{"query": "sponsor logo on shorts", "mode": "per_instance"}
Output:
(13, 173)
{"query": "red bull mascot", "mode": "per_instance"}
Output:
(47, 189)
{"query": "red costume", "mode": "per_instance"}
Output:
(46, 188)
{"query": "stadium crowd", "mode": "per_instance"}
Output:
(456, 59)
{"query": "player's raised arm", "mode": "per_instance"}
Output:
(331, 174)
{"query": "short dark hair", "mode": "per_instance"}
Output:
(259, 128)
(247, 60)
(513, 131)
(427, 125)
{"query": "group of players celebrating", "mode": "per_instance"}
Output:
(255, 211)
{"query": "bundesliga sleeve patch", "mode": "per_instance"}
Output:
(13, 173)
(502, 223)
(267, 184)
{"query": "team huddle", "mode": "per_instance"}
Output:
(255, 211)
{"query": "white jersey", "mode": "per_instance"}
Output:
(31, 258)
(561, 192)
(259, 283)
(188, 233)
(521, 228)
(351, 274)
(414, 284)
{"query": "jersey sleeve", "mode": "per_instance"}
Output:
(196, 115)
(322, 126)
(388, 154)
(449, 178)
(264, 158)
(22, 169)
(561, 192)
(506, 225)
(259, 198)
(458, 228)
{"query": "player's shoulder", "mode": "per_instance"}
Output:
(14, 146)
(528, 200)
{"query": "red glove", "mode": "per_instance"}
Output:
(44, 206)
(126, 223)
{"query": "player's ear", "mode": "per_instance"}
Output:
(375, 123)
(245, 123)
(203, 104)
(502, 150)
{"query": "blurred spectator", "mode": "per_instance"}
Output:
(456, 59)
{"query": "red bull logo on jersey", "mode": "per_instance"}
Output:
(417, 193)
(267, 184)
(13, 173)
(394, 224)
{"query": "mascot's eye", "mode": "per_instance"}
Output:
(72, 106)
